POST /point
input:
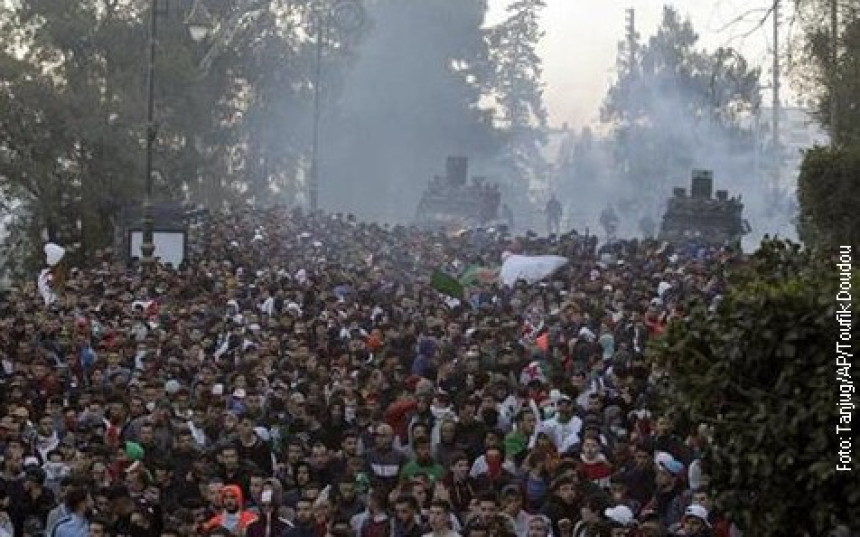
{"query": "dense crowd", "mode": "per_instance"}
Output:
(306, 379)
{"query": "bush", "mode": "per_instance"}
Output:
(761, 370)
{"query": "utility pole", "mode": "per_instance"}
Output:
(834, 58)
(631, 39)
(777, 146)
(147, 247)
(321, 20)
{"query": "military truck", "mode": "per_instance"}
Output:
(702, 218)
(452, 202)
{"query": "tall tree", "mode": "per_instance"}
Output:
(679, 107)
(518, 91)
(827, 68)
(411, 98)
(72, 87)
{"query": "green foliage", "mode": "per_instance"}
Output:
(825, 80)
(515, 83)
(829, 196)
(72, 88)
(761, 370)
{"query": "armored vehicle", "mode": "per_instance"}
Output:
(701, 218)
(452, 202)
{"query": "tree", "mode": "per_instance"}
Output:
(516, 85)
(72, 87)
(678, 108)
(761, 370)
(412, 97)
(827, 69)
(829, 196)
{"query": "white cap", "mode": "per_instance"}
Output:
(699, 512)
(620, 514)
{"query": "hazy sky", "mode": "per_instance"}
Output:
(581, 42)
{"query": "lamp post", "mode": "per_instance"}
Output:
(198, 25)
(345, 16)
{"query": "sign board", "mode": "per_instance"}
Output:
(170, 246)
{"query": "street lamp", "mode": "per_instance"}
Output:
(199, 26)
(345, 16)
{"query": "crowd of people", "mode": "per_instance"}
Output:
(305, 379)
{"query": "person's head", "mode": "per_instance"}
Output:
(526, 422)
(460, 466)
(255, 485)
(539, 526)
(76, 500)
(448, 432)
(420, 432)
(231, 498)
(349, 444)
(99, 527)
(489, 506)
(595, 404)
(384, 436)
(695, 519)
(346, 488)
(229, 457)
(590, 448)
(665, 478)
(405, 508)
(322, 510)
(245, 426)
(440, 515)
(618, 488)
(564, 488)
(304, 511)
(422, 452)
(565, 408)
(701, 497)
(46, 425)
(295, 452)
(591, 509)
(319, 455)
(642, 457)
(512, 500)
(421, 492)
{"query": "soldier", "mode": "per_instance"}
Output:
(609, 221)
(553, 215)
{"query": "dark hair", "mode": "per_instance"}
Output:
(563, 480)
(488, 496)
(459, 456)
(103, 522)
(406, 498)
(441, 504)
(75, 497)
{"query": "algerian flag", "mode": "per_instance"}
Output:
(529, 268)
(446, 284)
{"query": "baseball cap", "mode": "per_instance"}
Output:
(698, 511)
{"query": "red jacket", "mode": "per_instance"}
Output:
(246, 518)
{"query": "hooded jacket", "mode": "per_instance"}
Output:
(246, 518)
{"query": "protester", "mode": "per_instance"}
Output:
(311, 375)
